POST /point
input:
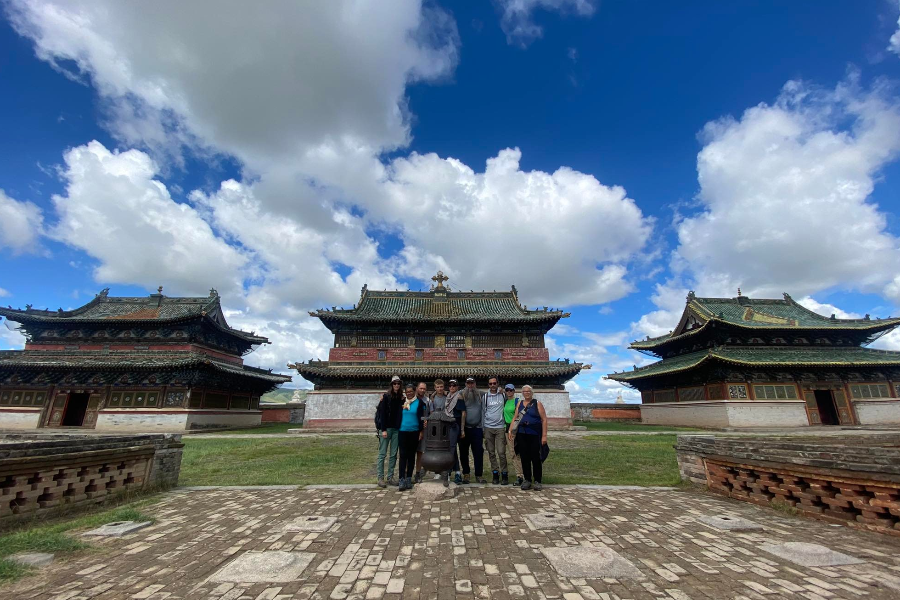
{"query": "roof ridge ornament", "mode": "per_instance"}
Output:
(691, 296)
(440, 278)
(103, 293)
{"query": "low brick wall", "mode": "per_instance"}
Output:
(853, 479)
(289, 412)
(41, 472)
(607, 411)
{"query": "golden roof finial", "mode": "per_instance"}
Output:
(440, 278)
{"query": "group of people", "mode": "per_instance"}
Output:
(512, 429)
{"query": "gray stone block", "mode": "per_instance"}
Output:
(548, 520)
(272, 566)
(32, 559)
(310, 523)
(434, 491)
(591, 563)
(118, 528)
(809, 555)
(729, 523)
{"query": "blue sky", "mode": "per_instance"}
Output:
(603, 157)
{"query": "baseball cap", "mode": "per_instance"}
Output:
(395, 378)
(453, 382)
(468, 379)
(509, 386)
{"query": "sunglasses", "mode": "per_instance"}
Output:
(396, 383)
(493, 383)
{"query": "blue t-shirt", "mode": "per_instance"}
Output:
(410, 419)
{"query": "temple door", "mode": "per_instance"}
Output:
(93, 407)
(812, 408)
(844, 414)
(56, 411)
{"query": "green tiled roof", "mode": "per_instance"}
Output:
(439, 305)
(413, 370)
(767, 356)
(126, 361)
(764, 313)
(154, 308)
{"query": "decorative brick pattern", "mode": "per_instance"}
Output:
(875, 505)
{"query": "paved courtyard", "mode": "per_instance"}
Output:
(275, 544)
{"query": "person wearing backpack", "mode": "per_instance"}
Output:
(531, 434)
(387, 424)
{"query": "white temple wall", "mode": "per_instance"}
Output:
(727, 413)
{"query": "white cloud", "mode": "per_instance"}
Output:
(560, 237)
(785, 195)
(827, 309)
(669, 298)
(517, 16)
(4, 293)
(10, 338)
(889, 341)
(261, 84)
(20, 225)
(115, 210)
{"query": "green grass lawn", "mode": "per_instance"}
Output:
(624, 426)
(267, 428)
(610, 460)
(55, 537)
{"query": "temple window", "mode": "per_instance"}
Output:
(870, 390)
(775, 392)
(420, 354)
(690, 394)
(460, 355)
(664, 396)
(737, 392)
(498, 354)
(382, 355)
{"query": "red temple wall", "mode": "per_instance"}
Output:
(437, 354)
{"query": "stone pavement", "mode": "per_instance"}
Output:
(274, 544)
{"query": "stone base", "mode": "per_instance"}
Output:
(173, 421)
(434, 491)
(19, 418)
(355, 409)
(878, 412)
(727, 413)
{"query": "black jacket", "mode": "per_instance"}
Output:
(389, 412)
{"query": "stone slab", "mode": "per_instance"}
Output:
(548, 520)
(729, 523)
(271, 566)
(118, 528)
(434, 491)
(590, 563)
(809, 555)
(310, 523)
(32, 559)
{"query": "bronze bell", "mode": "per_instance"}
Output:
(440, 442)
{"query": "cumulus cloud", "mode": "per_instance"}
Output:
(115, 210)
(827, 309)
(258, 84)
(517, 16)
(561, 237)
(20, 225)
(785, 195)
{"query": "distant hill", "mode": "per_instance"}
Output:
(281, 395)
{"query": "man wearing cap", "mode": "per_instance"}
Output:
(388, 415)
(473, 433)
(509, 413)
(492, 404)
(455, 407)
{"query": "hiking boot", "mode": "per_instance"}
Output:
(381, 483)
(481, 480)
(504, 479)
(466, 479)
(392, 481)
(419, 476)
(457, 479)
(519, 480)
(526, 485)
(537, 486)
(496, 479)
(445, 479)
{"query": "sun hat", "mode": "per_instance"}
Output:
(395, 378)
(509, 386)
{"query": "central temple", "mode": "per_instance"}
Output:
(421, 336)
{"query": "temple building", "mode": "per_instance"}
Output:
(131, 364)
(421, 336)
(743, 362)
